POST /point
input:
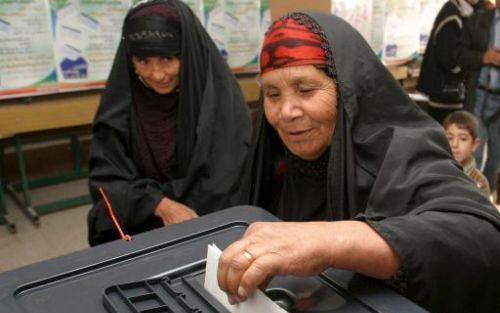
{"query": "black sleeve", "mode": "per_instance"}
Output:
(447, 234)
(447, 259)
(469, 57)
(132, 197)
(447, 40)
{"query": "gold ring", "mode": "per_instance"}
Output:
(248, 255)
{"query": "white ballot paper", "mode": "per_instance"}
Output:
(257, 302)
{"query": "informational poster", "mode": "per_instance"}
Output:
(378, 26)
(402, 34)
(86, 37)
(27, 65)
(243, 41)
(265, 19)
(51, 46)
(215, 23)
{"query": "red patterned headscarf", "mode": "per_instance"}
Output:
(289, 43)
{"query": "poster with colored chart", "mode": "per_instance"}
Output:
(86, 36)
(27, 65)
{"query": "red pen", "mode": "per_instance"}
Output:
(112, 215)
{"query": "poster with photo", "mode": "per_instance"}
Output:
(243, 41)
(27, 65)
(86, 37)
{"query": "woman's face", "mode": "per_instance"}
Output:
(159, 73)
(301, 104)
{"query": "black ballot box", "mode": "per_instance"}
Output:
(163, 271)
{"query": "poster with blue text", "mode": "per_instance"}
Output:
(27, 65)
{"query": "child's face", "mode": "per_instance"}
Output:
(461, 142)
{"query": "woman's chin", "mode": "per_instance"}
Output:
(163, 90)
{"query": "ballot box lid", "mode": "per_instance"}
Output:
(163, 271)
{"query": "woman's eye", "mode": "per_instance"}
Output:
(306, 91)
(273, 96)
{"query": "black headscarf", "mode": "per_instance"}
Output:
(212, 137)
(389, 165)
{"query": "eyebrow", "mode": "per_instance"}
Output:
(294, 82)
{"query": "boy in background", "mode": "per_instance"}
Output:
(462, 128)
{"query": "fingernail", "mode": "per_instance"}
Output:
(231, 301)
(242, 293)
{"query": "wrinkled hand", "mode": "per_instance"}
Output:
(269, 249)
(302, 249)
(492, 57)
(172, 212)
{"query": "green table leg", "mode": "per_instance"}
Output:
(26, 204)
(76, 152)
(4, 217)
(25, 184)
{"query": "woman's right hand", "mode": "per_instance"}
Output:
(302, 249)
(172, 212)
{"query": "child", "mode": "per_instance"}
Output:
(461, 129)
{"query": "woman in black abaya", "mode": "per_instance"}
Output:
(366, 176)
(172, 130)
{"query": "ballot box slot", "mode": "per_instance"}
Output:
(112, 262)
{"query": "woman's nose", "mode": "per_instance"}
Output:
(157, 73)
(290, 108)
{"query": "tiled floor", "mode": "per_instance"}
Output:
(58, 233)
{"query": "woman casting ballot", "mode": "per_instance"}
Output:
(363, 178)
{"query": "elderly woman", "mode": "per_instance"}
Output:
(172, 130)
(364, 178)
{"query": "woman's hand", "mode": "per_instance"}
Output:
(301, 249)
(172, 212)
(269, 249)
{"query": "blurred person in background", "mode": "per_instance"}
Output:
(441, 77)
(479, 55)
(484, 5)
(462, 130)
